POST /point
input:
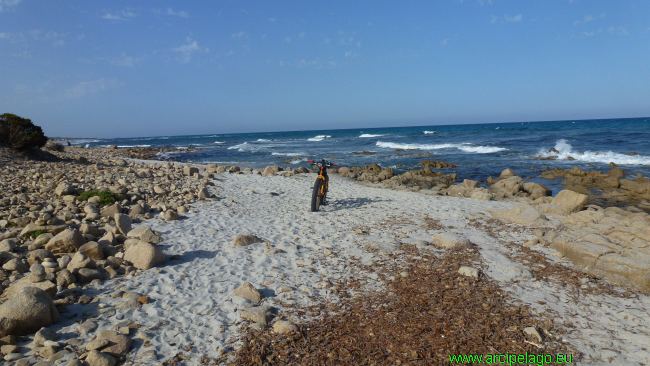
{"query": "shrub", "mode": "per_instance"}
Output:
(105, 197)
(20, 133)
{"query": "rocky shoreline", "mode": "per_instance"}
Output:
(78, 217)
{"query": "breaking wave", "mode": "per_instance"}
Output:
(369, 135)
(428, 132)
(564, 151)
(288, 154)
(319, 138)
(466, 147)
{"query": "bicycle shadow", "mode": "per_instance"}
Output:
(350, 203)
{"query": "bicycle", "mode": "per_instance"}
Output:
(319, 193)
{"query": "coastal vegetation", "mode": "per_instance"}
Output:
(20, 133)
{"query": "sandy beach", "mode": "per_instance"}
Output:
(246, 262)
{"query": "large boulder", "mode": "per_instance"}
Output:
(144, 255)
(92, 250)
(145, 233)
(248, 292)
(270, 170)
(536, 190)
(27, 311)
(568, 201)
(507, 187)
(67, 241)
(520, 214)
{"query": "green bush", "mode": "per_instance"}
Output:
(35, 234)
(20, 133)
(105, 197)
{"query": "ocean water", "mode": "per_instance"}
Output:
(479, 150)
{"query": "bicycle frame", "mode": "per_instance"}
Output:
(321, 175)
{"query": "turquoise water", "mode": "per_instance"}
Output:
(479, 150)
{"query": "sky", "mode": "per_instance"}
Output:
(149, 68)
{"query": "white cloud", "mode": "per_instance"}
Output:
(588, 19)
(84, 88)
(187, 50)
(125, 60)
(53, 38)
(618, 30)
(517, 18)
(239, 35)
(177, 13)
(120, 15)
(8, 4)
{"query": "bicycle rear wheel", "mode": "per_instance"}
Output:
(316, 197)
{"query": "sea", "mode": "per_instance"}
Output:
(478, 150)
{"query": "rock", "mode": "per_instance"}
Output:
(520, 214)
(96, 358)
(449, 241)
(248, 292)
(270, 170)
(8, 245)
(63, 189)
(64, 278)
(79, 260)
(246, 239)
(37, 272)
(92, 250)
(256, 315)
(43, 335)
(86, 327)
(119, 344)
(145, 233)
(204, 194)
(85, 275)
(468, 271)
(48, 286)
(480, 194)
(123, 223)
(284, 327)
(144, 255)
(15, 264)
(30, 309)
(169, 215)
(190, 170)
(569, 201)
(507, 172)
(533, 334)
(67, 241)
(112, 210)
(536, 190)
(507, 187)
(96, 344)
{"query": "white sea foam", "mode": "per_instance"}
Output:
(243, 147)
(219, 142)
(288, 154)
(319, 138)
(429, 132)
(78, 141)
(262, 140)
(466, 147)
(369, 135)
(126, 146)
(564, 151)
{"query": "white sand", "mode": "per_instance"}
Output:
(192, 301)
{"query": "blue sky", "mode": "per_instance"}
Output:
(142, 68)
